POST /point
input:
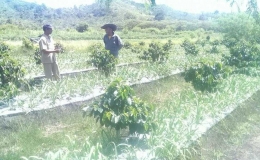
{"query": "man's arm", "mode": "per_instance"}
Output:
(120, 42)
(50, 51)
(44, 49)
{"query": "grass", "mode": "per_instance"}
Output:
(84, 84)
(97, 34)
(235, 137)
(64, 134)
(36, 134)
(179, 111)
(77, 56)
(58, 124)
(182, 114)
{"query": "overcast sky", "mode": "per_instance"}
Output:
(192, 6)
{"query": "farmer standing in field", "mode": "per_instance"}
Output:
(112, 41)
(48, 54)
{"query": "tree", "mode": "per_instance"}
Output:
(252, 8)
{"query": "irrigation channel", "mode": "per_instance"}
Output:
(76, 72)
(8, 116)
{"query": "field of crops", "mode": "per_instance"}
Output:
(219, 71)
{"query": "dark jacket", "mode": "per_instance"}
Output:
(113, 44)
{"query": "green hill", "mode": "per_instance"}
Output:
(32, 15)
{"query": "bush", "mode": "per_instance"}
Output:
(129, 15)
(127, 45)
(137, 48)
(61, 47)
(208, 38)
(132, 23)
(206, 75)
(102, 59)
(37, 56)
(8, 91)
(214, 46)
(10, 71)
(229, 42)
(153, 24)
(190, 48)
(82, 27)
(201, 42)
(119, 108)
(157, 51)
(152, 30)
(243, 54)
(125, 31)
(142, 43)
(27, 44)
(4, 48)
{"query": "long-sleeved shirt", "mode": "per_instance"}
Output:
(113, 44)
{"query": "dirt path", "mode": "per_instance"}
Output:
(235, 138)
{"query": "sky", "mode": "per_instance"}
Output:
(191, 6)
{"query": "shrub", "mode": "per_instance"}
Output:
(8, 90)
(28, 44)
(152, 30)
(102, 59)
(229, 42)
(82, 27)
(10, 71)
(60, 46)
(243, 54)
(206, 75)
(127, 45)
(157, 51)
(137, 48)
(125, 31)
(201, 42)
(208, 38)
(129, 15)
(153, 24)
(214, 46)
(159, 16)
(142, 43)
(119, 108)
(4, 48)
(190, 48)
(132, 23)
(37, 56)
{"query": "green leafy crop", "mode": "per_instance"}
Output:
(190, 48)
(119, 108)
(37, 56)
(157, 52)
(11, 73)
(243, 54)
(4, 48)
(206, 75)
(102, 59)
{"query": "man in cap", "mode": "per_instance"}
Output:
(112, 41)
(48, 54)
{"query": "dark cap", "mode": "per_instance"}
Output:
(112, 26)
(47, 26)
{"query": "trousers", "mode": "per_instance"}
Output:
(51, 71)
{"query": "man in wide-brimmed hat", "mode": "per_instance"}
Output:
(48, 54)
(112, 41)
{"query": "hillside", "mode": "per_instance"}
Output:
(31, 15)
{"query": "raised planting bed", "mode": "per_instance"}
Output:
(181, 113)
(77, 72)
(47, 104)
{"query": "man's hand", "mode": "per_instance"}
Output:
(57, 50)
